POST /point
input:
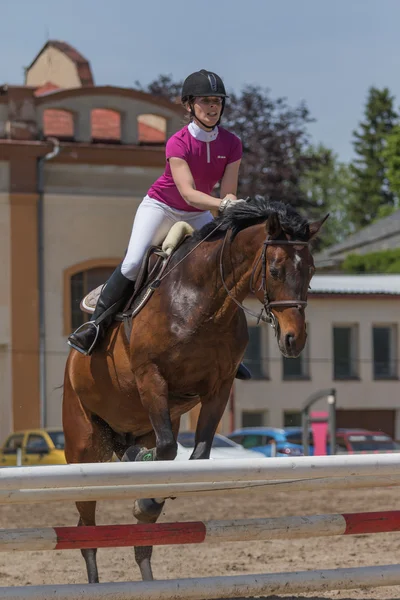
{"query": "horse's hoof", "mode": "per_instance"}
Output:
(138, 454)
(147, 510)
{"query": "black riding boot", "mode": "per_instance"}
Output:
(112, 299)
(243, 372)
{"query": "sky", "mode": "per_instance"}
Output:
(324, 52)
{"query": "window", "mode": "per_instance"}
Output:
(36, 444)
(297, 368)
(254, 355)
(292, 418)
(57, 437)
(13, 443)
(254, 418)
(251, 441)
(152, 129)
(384, 341)
(345, 352)
(81, 284)
(58, 123)
(106, 125)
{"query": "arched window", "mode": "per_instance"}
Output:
(106, 125)
(79, 280)
(58, 123)
(152, 129)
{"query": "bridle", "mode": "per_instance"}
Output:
(268, 305)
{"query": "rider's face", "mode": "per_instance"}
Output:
(208, 109)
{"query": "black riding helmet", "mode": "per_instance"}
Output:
(203, 83)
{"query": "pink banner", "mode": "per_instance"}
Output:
(320, 433)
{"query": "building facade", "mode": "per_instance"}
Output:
(352, 346)
(75, 161)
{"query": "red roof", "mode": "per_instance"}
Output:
(82, 64)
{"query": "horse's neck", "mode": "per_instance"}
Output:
(237, 266)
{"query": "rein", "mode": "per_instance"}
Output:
(267, 304)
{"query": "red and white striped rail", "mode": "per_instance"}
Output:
(197, 532)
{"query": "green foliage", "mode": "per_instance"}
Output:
(385, 261)
(328, 187)
(392, 156)
(370, 168)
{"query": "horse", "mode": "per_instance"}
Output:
(186, 344)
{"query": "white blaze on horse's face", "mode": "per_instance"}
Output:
(297, 261)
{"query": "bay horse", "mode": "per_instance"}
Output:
(186, 344)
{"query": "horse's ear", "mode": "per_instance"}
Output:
(316, 226)
(273, 226)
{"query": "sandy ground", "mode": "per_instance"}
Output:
(57, 567)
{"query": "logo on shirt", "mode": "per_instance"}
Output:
(221, 156)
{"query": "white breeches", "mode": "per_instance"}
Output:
(152, 222)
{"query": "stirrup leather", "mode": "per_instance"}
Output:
(82, 350)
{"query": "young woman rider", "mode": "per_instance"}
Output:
(198, 156)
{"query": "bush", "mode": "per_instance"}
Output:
(386, 261)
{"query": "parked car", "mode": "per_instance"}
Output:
(350, 441)
(222, 447)
(265, 440)
(362, 440)
(33, 447)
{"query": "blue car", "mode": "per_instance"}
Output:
(270, 441)
(295, 436)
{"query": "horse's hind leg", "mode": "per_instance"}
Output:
(87, 439)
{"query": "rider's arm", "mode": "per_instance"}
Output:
(229, 180)
(184, 181)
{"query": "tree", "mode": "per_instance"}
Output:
(392, 157)
(328, 186)
(163, 86)
(370, 170)
(276, 147)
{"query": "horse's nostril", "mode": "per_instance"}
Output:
(289, 340)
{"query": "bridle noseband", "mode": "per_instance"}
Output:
(268, 305)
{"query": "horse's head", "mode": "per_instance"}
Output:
(284, 269)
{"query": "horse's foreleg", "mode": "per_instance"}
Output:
(153, 390)
(212, 409)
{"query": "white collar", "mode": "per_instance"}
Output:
(202, 135)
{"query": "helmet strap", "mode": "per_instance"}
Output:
(193, 114)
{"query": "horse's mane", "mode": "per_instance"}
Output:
(252, 212)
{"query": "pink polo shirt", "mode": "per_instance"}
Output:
(206, 159)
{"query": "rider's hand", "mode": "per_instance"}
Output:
(229, 200)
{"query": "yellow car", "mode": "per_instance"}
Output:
(33, 447)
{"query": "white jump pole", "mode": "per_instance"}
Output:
(128, 492)
(198, 471)
(210, 588)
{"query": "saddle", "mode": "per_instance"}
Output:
(154, 264)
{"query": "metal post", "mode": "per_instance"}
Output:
(332, 421)
(305, 423)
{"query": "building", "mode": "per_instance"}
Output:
(383, 234)
(66, 212)
(352, 346)
(75, 161)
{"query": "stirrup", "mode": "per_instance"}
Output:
(82, 350)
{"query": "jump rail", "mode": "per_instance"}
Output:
(127, 492)
(197, 532)
(201, 471)
(210, 588)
